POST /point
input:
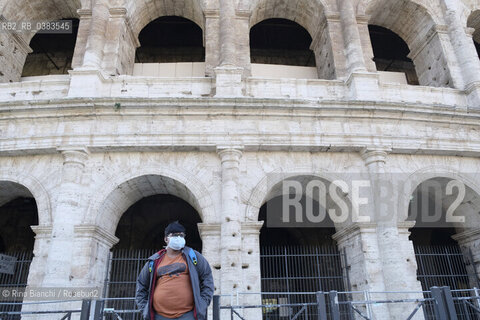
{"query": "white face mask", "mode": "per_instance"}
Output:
(176, 243)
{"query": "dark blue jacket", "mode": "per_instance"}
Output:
(200, 278)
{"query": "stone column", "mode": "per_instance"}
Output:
(13, 53)
(243, 41)
(359, 242)
(227, 33)
(85, 16)
(120, 45)
(92, 245)
(327, 44)
(41, 247)
(67, 212)
(96, 38)
(462, 43)
(231, 237)
(211, 239)
(38, 266)
(228, 74)
(212, 27)
(251, 277)
(351, 37)
(395, 249)
(87, 79)
(362, 23)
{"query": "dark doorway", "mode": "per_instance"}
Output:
(170, 39)
(17, 240)
(281, 41)
(296, 262)
(141, 234)
(52, 53)
(390, 53)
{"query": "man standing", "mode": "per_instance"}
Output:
(175, 283)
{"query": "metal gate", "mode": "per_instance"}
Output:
(446, 266)
(290, 274)
(18, 280)
(124, 267)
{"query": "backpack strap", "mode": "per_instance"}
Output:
(192, 256)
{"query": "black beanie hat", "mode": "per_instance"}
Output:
(174, 227)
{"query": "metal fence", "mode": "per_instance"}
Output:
(446, 266)
(17, 280)
(328, 305)
(124, 268)
(302, 270)
(292, 275)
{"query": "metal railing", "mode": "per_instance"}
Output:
(444, 304)
(63, 313)
(17, 280)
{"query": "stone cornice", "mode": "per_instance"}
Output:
(230, 153)
(363, 19)
(251, 227)
(467, 236)
(404, 226)
(242, 14)
(42, 231)
(84, 13)
(74, 155)
(96, 233)
(209, 229)
(118, 12)
(211, 13)
(373, 113)
(353, 230)
(375, 154)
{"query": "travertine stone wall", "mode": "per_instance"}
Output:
(88, 145)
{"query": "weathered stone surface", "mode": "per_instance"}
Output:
(88, 145)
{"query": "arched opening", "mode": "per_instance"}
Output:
(170, 46)
(148, 204)
(441, 260)
(416, 25)
(281, 41)
(298, 257)
(52, 52)
(142, 225)
(474, 22)
(18, 212)
(391, 55)
(289, 38)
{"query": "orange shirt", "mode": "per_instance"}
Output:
(173, 295)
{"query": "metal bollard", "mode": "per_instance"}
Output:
(85, 314)
(439, 307)
(334, 305)
(321, 306)
(216, 307)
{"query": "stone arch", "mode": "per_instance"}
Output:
(421, 27)
(418, 177)
(310, 14)
(27, 186)
(141, 13)
(473, 22)
(261, 193)
(133, 185)
(15, 46)
(39, 10)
